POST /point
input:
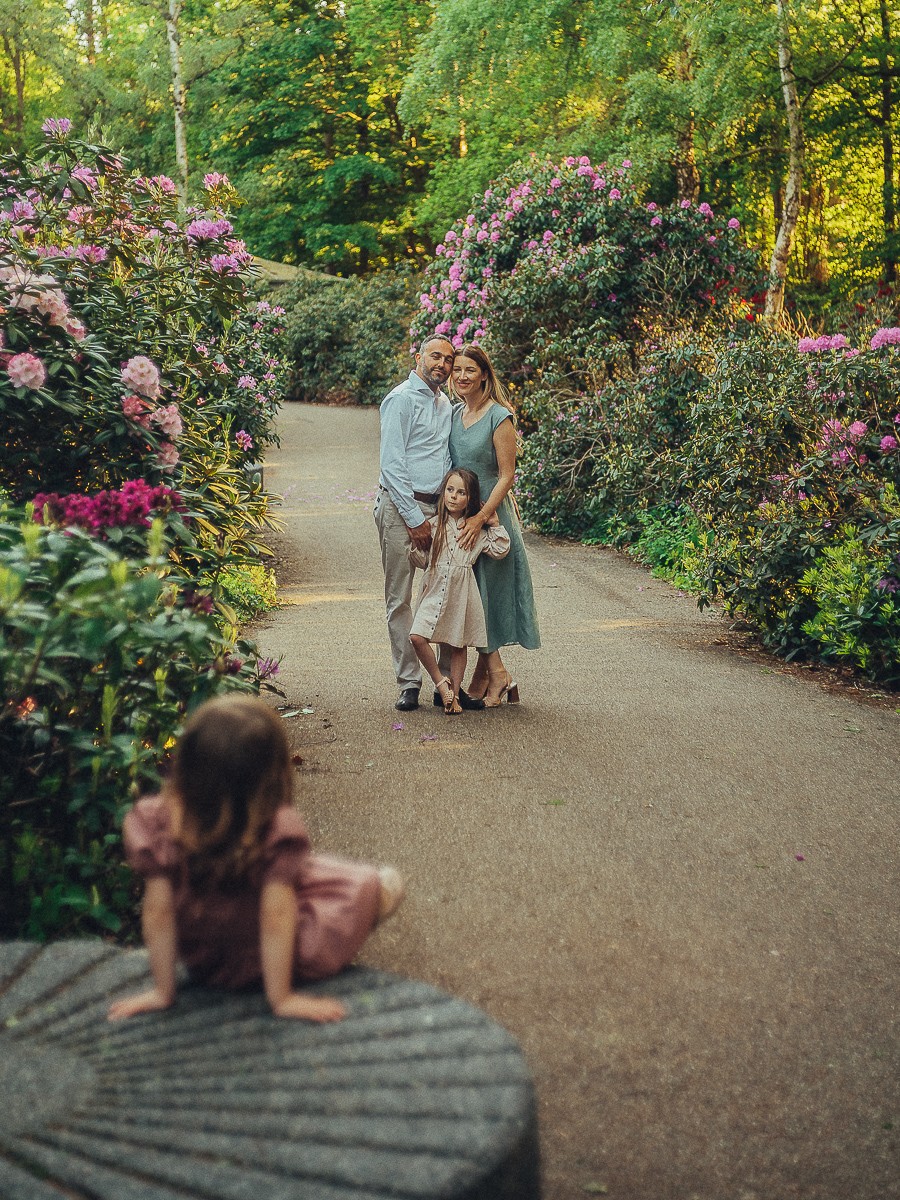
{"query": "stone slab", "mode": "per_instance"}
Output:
(414, 1096)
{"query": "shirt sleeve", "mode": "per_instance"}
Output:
(149, 848)
(396, 423)
(495, 541)
(287, 848)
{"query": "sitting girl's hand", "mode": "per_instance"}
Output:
(152, 1001)
(310, 1008)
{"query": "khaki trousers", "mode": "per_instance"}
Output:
(398, 587)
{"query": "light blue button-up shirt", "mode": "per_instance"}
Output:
(415, 437)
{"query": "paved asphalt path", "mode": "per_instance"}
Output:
(670, 871)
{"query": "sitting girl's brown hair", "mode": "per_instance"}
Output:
(232, 771)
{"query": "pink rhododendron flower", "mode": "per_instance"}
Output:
(90, 253)
(857, 431)
(885, 337)
(136, 408)
(168, 419)
(888, 444)
(140, 374)
(734, 223)
(167, 458)
(214, 180)
(75, 328)
(26, 371)
(244, 440)
(656, 220)
(685, 204)
(615, 194)
(705, 210)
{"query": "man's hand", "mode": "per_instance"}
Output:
(420, 536)
(468, 535)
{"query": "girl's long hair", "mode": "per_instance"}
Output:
(231, 773)
(493, 388)
(473, 487)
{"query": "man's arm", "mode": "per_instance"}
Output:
(396, 423)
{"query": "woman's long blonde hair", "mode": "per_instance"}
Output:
(493, 388)
(231, 773)
(473, 503)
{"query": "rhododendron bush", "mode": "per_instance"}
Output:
(557, 263)
(139, 379)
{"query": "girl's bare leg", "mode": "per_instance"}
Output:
(423, 649)
(458, 656)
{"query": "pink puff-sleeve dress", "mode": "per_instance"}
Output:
(218, 930)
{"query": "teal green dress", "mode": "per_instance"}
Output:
(504, 583)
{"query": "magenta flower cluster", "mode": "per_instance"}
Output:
(132, 505)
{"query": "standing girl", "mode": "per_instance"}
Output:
(231, 887)
(450, 611)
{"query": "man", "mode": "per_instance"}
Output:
(415, 431)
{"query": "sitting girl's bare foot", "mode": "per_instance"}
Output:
(392, 892)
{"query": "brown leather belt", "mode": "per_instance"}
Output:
(427, 497)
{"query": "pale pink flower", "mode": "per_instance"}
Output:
(75, 328)
(27, 371)
(168, 419)
(167, 458)
(140, 374)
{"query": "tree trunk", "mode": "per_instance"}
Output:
(889, 202)
(785, 235)
(90, 32)
(687, 177)
(179, 98)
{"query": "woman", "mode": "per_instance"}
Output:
(483, 439)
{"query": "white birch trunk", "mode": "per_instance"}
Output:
(785, 235)
(179, 98)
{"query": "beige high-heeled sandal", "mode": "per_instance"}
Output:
(509, 692)
(452, 707)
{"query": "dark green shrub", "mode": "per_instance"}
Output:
(348, 339)
(788, 451)
(101, 656)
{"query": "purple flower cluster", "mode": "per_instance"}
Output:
(205, 230)
(836, 341)
(131, 505)
(885, 337)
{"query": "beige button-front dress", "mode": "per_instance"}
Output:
(449, 608)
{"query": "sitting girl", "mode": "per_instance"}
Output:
(231, 886)
(449, 610)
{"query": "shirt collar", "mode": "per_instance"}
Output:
(422, 387)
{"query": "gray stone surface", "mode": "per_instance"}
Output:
(415, 1095)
